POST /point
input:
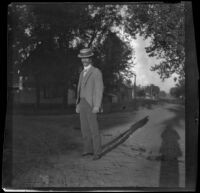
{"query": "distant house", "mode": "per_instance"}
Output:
(147, 96)
(53, 93)
(110, 98)
(24, 91)
(126, 93)
(15, 82)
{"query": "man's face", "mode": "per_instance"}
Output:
(86, 61)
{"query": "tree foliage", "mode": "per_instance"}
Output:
(163, 24)
(179, 89)
(49, 37)
(114, 61)
(44, 39)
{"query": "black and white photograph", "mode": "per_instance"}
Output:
(98, 97)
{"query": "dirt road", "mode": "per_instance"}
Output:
(46, 151)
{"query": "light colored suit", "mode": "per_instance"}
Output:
(92, 87)
(90, 92)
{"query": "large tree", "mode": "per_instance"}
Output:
(52, 34)
(115, 61)
(163, 24)
(179, 89)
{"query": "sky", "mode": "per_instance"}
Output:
(144, 76)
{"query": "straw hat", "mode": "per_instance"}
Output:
(85, 53)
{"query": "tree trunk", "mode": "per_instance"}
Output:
(65, 95)
(44, 92)
(37, 92)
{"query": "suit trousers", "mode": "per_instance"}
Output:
(89, 128)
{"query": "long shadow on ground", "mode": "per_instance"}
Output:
(123, 137)
(170, 150)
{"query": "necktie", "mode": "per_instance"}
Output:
(84, 72)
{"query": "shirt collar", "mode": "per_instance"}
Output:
(87, 67)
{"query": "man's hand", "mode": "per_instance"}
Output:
(95, 110)
(77, 109)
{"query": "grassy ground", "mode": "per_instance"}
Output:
(59, 109)
(36, 138)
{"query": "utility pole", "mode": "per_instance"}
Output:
(134, 86)
(151, 91)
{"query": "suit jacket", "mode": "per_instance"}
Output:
(93, 87)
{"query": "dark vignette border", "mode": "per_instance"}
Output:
(6, 126)
(192, 111)
(192, 97)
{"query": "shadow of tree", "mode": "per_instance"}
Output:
(170, 150)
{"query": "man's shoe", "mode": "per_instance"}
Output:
(85, 154)
(96, 157)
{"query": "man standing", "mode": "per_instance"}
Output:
(88, 104)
